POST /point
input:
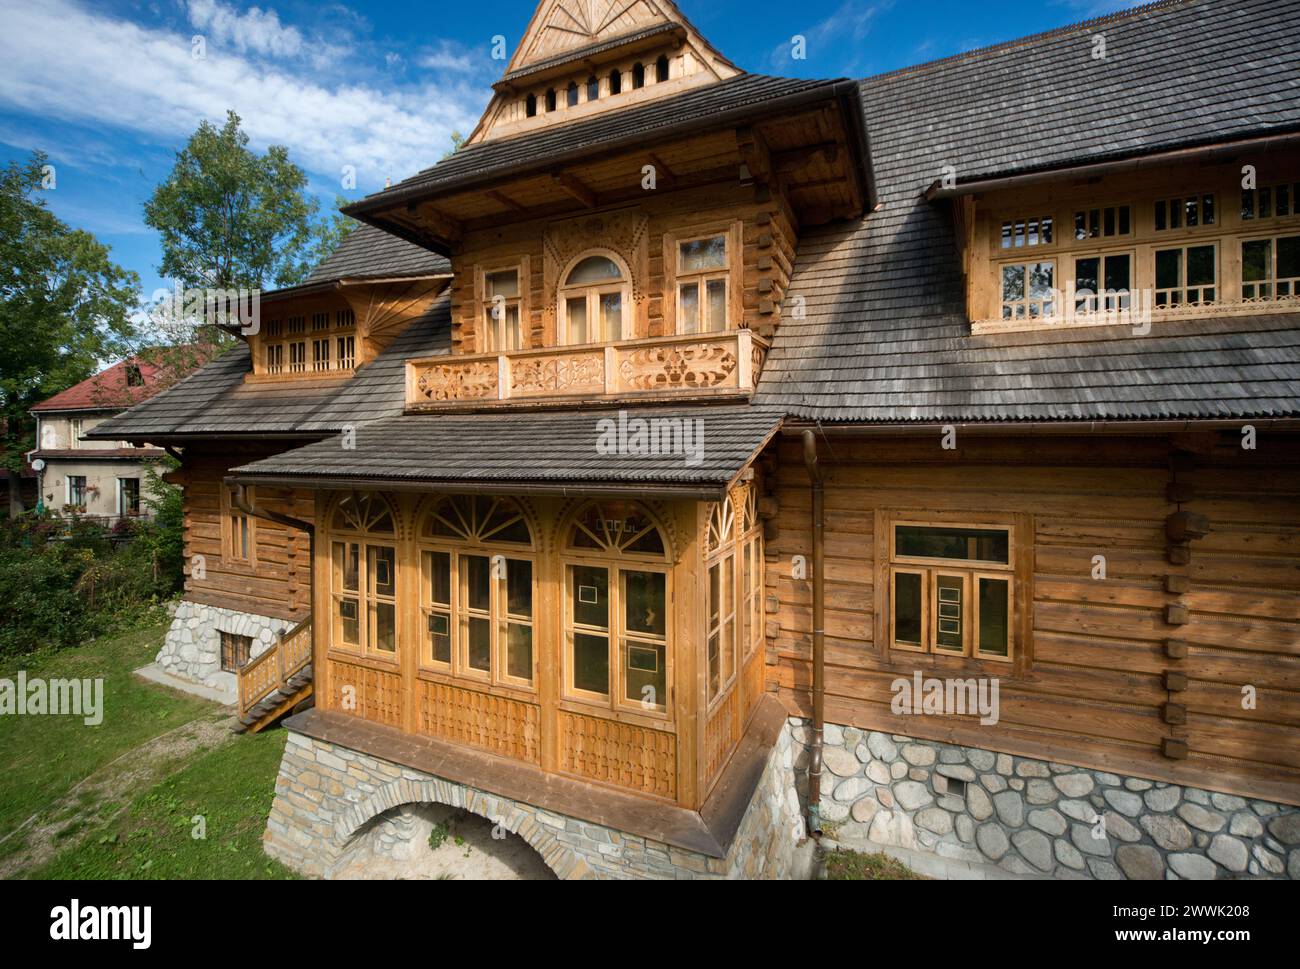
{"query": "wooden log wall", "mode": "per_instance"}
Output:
(1182, 664)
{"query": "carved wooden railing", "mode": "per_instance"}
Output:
(265, 674)
(707, 364)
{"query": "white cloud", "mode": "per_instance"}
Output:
(68, 63)
(846, 28)
(256, 30)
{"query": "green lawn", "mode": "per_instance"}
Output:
(145, 831)
(850, 866)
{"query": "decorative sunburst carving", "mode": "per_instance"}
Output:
(574, 23)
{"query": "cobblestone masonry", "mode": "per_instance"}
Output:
(1036, 817)
(192, 649)
(325, 794)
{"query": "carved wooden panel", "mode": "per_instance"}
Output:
(458, 380)
(720, 735)
(619, 753)
(571, 373)
(373, 695)
(567, 24)
(698, 366)
(499, 724)
(621, 232)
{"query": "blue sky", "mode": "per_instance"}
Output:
(111, 90)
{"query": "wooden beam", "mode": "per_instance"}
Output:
(576, 188)
(507, 201)
(754, 154)
(444, 225)
(792, 158)
(662, 172)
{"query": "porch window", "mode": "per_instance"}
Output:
(1270, 268)
(721, 566)
(363, 576)
(594, 300)
(501, 311)
(751, 538)
(478, 589)
(950, 589)
(1186, 275)
(702, 284)
(616, 609)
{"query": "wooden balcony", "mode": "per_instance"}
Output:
(700, 365)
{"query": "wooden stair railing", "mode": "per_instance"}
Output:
(274, 682)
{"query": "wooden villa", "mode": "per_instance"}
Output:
(698, 460)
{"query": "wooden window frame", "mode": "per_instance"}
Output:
(1271, 280)
(733, 232)
(999, 223)
(366, 599)
(1101, 239)
(593, 292)
(1055, 299)
(1071, 297)
(233, 646)
(313, 344)
(238, 530)
(122, 490)
(1215, 227)
(1271, 190)
(1183, 286)
(84, 488)
(484, 323)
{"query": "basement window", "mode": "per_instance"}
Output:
(950, 590)
(235, 652)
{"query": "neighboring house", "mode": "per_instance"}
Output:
(621, 478)
(88, 476)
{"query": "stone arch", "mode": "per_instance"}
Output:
(519, 820)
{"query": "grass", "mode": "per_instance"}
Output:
(850, 866)
(229, 788)
(42, 757)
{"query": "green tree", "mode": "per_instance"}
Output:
(327, 233)
(64, 305)
(230, 217)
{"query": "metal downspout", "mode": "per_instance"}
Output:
(818, 632)
(240, 500)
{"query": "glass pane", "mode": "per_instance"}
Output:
(385, 627)
(1200, 266)
(1288, 257)
(591, 663)
(1169, 269)
(577, 319)
(519, 588)
(715, 594)
(701, 254)
(1013, 283)
(437, 565)
(1040, 280)
(504, 283)
(519, 651)
(1087, 275)
(381, 566)
(611, 316)
(1207, 209)
(1117, 273)
(1255, 259)
(348, 611)
(907, 608)
(347, 559)
(645, 672)
(480, 644)
(478, 582)
(594, 269)
(440, 631)
(589, 589)
(715, 664)
(688, 307)
(1160, 215)
(967, 544)
(993, 616)
(644, 602)
(716, 313)
(1123, 220)
(949, 619)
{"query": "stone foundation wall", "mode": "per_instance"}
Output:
(192, 648)
(325, 794)
(1035, 817)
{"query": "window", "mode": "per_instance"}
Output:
(478, 590)
(320, 354)
(550, 100)
(593, 88)
(571, 95)
(77, 490)
(1186, 275)
(298, 357)
(74, 432)
(1100, 223)
(615, 609)
(319, 322)
(702, 285)
(1027, 232)
(661, 68)
(363, 576)
(1270, 201)
(134, 378)
(237, 529)
(615, 82)
(235, 652)
(638, 76)
(751, 539)
(1270, 268)
(592, 301)
(530, 106)
(1027, 291)
(1103, 282)
(501, 311)
(128, 496)
(721, 630)
(1187, 212)
(347, 358)
(950, 590)
(275, 358)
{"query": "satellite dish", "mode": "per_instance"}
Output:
(38, 465)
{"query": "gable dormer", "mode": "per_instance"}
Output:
(580, 58)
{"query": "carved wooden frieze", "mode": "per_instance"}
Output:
(575, 373)
(678, 367)
(471, 380)
(623, 233)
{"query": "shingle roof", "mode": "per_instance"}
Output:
(217, 401)
(370, 252)
(885, 337)
(542, 446)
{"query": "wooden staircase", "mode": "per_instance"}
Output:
(278, 680)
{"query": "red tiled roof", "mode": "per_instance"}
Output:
(110, 390)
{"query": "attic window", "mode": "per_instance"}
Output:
(593, 88)
(1270, 201)
(638, 75)
(571, 96)
(615, 82)
(1027, 232)
(134, 378)
(661, 68)
(1114, 220)
(530, 106)
(1186, 212)
(550, 100)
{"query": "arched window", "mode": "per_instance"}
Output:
(594, 301)
(661, 68)
(571, 96)
(638, 75)
(616, 81)
(616, 609)
(478, 584)
(720, 562)
(530, 106)
(550, 99)
(593, 88)
(363, 576)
